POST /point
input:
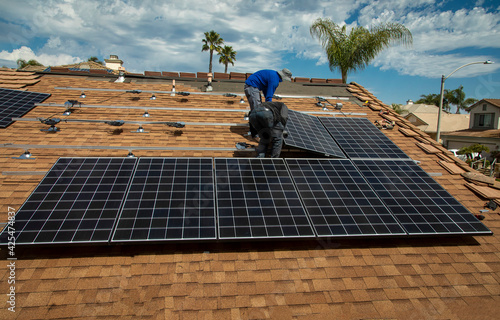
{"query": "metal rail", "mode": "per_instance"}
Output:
(184, 109)
(129, 148)
(140, 122)
(190, 92)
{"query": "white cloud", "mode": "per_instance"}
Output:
(438, 36)
(166, 35)
(45, 59)
(415, 63)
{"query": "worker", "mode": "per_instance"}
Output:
(266, 81)
(268, 120)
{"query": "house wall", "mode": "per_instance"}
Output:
(459, 142)
(484, 109)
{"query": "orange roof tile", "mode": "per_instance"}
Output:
(450, 278)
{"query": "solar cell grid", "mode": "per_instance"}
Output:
(417, 201)
(338, 199)
(256, 198)
(77, 201)
(306, 132)
(169, 199)
(359, 138)
(16, 103)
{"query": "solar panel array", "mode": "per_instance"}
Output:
(306, 132)
(339, 200)
(169, 199)
(359, 138)
(417, 201)
(256, 198)
(377, 191)
(16, 103)
(77, 201)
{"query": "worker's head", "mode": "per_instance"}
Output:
(285, 74)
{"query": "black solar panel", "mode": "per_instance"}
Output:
(417, 201)
(307, 132)
(359, 138)
(77, 201)
(16, 103)
(169, 199)
(256, 198)
(339, 201)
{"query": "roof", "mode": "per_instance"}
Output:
(493, 134)
(449, 122)
(81, 66)
(85, 65)
(420, 108)
(424, 278)
(12, 79)
(495, 102)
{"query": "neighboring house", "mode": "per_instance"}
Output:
(85, 66)
(425, 117)
(485, 115)
(484, 127)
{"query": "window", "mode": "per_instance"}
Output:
(484, 120)
(485, 107)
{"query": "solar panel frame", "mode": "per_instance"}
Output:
(169, 199)
(76, 202)
(359, 138)
(256, 199)
(339, 201)
(16, 103)
(307, 132)
(420, 204)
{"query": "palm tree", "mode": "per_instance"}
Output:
(397, 108)
(21, 63)
(450, 97)
(354, 51)
(430, 99)
(94, 59)
(457, 97)
(227, 56)
(212, 42)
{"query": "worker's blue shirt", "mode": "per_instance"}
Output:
(266, 81)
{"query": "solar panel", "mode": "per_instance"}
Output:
(169, 199)
(339, 201)
(256, 198)
(16, 103)
(418, 202)
(307, 132)
(77, 201)
(359, 138)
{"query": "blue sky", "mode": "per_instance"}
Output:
(166, 36)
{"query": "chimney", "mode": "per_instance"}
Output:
(114, 63)
(409, 101)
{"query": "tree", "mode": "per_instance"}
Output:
(475, 148)
(457, 98)
(354, 51)
(450, 97)
(94, 59)
(227, 56)
(430, 99)
(211, 43)
(21, 63)
(397, 108)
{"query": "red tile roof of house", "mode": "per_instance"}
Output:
(425, 278)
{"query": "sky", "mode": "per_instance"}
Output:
(266, 34)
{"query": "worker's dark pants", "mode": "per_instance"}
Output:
(270, 134)
(253, 96)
